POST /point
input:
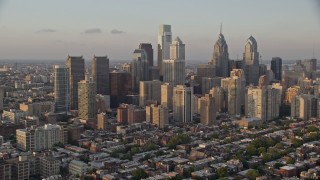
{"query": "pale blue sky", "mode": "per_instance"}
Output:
(43, 29)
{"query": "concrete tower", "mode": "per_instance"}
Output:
(276, 68)
(87, 100)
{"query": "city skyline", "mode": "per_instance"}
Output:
(116, 30)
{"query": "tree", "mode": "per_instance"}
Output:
(178, 139)
(312, 128)
(139, 174)
(252, 174)
(222, 172)
(296, 142)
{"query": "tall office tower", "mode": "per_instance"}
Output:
(149, 51)
(61, 89)
(276, 68)
(100, 74)
(232, 86)
(240, 73)
(304, 106)
(174, 69)
(87, 100)
(310, 64)
(220, 58)
(154, 73)
(219, 95)
(182, 104)
(76, 73)
(120, 84)
(251, 61)
(164, 41)
(235, 64)
(208, 83)
(166, 95)
(150, 91)
(136, 114)
(205, 70)
(139, 68)
(207, 110)
(157, 114)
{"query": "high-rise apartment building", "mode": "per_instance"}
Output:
(157, 114)
(76, 73)
(241, 75)
(232, 87)
(263, 102)
(61, 89)
(149, 51)
(291, 92)
(150, 91)
(174, 68)
(276, 68)
(100, 74)
(102, 121)
(49, 166)
(220, 59)
(207, 110)
(251, 61)
(87, 100)
(182, 104)
(164, 41)
(219, 95)
(166, 95)
(139, 68)
(36, 139)
(304, 106)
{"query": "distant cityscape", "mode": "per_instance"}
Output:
(161, 116)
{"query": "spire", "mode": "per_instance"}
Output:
(220, 28)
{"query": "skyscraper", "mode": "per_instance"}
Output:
(61, 89)
(100, 74)
(251, 61)
(207, 110)
(220, 58)
(150, 91)
(232, 86)
(174, 69)
(164, 41)
(240, 73)
(304, 106)
(182, 104)
(120, 84)
(149, 51)
(276, 67)
(139, 68)
(76, 73)
(87, 100)
(166, 95)
(263, 102)
(219, 95)
(205, 70)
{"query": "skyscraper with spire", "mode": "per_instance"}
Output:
(251, 61)
(220, 58)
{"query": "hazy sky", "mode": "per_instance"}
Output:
(43, 29)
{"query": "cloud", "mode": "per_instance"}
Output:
(46, 30)
(116, 31)
(93, 31)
